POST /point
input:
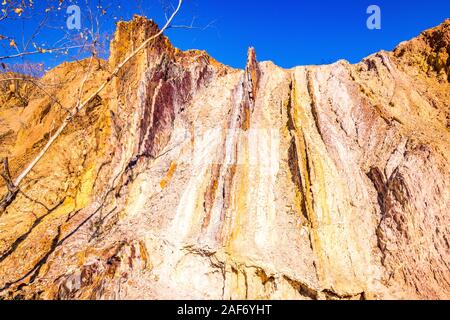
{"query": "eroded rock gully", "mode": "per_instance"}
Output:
(189, 179)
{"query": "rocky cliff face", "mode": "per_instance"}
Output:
(186, 178)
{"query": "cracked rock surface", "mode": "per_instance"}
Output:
(188, 179)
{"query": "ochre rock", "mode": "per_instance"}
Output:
(186, 178)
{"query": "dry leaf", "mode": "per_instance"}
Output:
(19, 11)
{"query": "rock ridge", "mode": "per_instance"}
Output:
(189, 179)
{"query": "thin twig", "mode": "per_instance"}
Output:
(21, 54)
(12, 188)
(51, 96)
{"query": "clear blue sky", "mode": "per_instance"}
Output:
(288, 32)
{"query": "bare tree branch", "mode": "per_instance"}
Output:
(193, 26)
(21, 54)
(79, 107)
(12, 188)
(36, 84)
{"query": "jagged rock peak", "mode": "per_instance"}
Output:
(252, 71)
(429, 52)
(130, 34)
